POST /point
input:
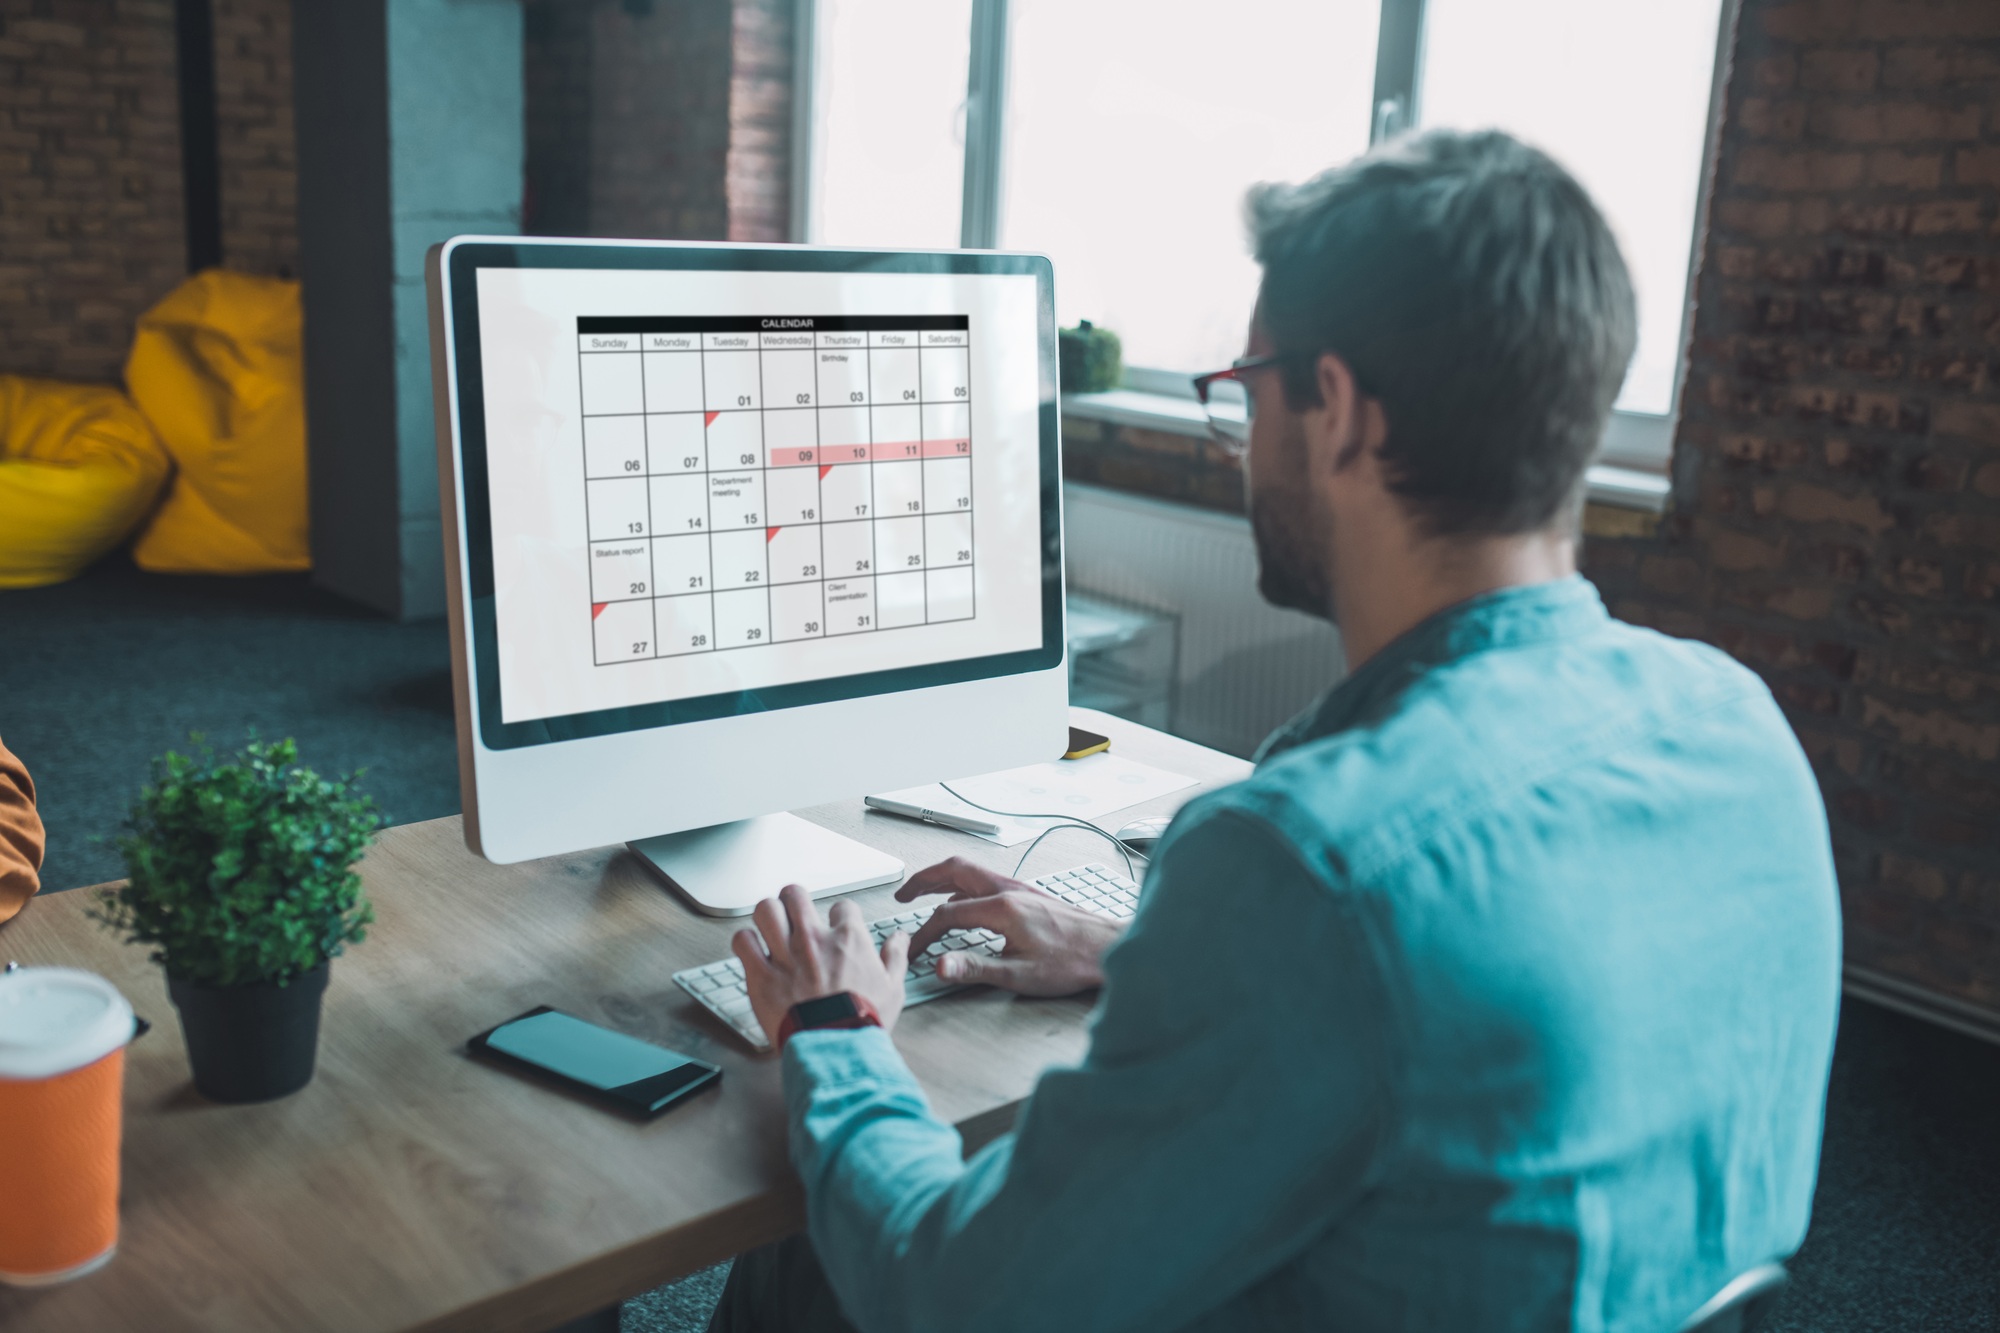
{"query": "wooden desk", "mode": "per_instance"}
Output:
(409, 1187)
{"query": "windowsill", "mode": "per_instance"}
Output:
(1621, 485)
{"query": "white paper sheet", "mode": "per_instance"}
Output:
(1065, 788)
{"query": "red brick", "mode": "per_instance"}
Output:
(1943, 729)
(1946, 216)
(1840, 71)
(1891, 168)
(1978, 422)
(1763, 118)
(1914, 878)
(1976, 166)
(1775, 73)
(1915, 577)
(1797, 169)
(1876, 121)
(1903, 20)
(1754, 217)
(1938, 66)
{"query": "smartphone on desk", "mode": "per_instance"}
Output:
(606, 1066)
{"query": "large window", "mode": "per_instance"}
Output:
(1632, 130)
(888, 110)
(1119, 136)
(1132, 131)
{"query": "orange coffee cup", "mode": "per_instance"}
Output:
(62, 1075)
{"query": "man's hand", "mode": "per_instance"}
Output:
(1052, 947)
(799, 957)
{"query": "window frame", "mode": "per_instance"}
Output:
(1638, 446)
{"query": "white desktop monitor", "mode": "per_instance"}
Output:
(735, 529)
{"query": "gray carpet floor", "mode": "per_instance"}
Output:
(100, 674)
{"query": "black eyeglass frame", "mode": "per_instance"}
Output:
(1237, 371)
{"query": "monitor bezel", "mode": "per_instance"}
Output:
(463, 260)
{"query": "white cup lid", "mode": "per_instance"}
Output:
(55, 1019)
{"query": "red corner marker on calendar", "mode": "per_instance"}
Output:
(771, 534)
(824, 468)
(711, 418)
(597, 609)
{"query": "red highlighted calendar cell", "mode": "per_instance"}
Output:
(903, 451)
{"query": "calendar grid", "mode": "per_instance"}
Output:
(826, 461)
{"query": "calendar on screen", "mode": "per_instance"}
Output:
(764, 480)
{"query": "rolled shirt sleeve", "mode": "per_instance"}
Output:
(1233, 1102)
(21, 836)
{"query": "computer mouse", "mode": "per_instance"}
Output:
(1142, 835)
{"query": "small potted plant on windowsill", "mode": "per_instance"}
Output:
(242, 880)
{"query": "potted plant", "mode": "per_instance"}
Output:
(242, 880)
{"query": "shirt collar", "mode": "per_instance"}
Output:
(1507, 618)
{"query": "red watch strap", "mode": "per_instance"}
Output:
(863, 1016)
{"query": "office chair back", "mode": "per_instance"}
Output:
(1743, 1304)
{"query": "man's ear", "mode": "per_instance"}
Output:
(1352, 420)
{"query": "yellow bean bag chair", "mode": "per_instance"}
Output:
(79, 469)
(215, 367)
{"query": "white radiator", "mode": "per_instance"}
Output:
(1245, 667)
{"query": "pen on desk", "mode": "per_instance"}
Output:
(969, 823)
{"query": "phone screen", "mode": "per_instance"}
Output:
(610, 1064)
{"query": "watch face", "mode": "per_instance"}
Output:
(825, 1010)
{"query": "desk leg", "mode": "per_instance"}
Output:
(600, 1321)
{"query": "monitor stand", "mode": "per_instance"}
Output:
(727, 869)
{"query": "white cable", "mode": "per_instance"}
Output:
(1067, 822)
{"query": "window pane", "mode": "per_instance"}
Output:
(1615, 90)
(1133, 129)
(889, 127)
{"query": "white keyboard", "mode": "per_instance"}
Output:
(719, 986)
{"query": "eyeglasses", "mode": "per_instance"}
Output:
(1226, 396)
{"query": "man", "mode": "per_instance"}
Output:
(1501, 997)
(20, 836)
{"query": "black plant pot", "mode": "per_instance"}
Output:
(251, 1043)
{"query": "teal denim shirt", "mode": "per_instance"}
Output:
(1502, 996)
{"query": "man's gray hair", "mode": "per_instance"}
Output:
(1476, 292)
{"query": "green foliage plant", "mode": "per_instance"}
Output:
(241, 870)
(1089, 359)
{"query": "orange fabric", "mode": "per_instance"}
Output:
(21, 839)
(59, 1175)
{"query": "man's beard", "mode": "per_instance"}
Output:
(1290, 546)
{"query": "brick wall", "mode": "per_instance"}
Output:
(90, 180)
(1837, 521)
(668, 121)
(253, 116)
(758, 177)
(91, 226)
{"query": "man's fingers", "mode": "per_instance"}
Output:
(974, 968)
(748, 947)
(800, 915)
(994, 913)
(958, 876)
(777, 931)
(896, 953)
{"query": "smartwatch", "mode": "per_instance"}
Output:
(845, 1010)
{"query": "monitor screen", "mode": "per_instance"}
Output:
(697, 487)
